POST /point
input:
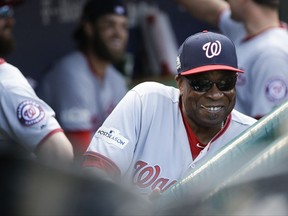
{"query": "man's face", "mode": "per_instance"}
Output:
(110, 37)
(203, 103)
(7, 43)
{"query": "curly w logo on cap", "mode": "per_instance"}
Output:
(212, 49)
(206, 51)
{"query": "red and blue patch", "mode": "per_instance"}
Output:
(30, 112)
(276, 89)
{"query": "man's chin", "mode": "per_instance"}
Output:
(117, 57)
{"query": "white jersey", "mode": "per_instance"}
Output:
(25, 120)
(81, 101)
(264, 58)
(148, 142)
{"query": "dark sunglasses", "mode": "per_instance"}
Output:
(204, 85)
(6, 12)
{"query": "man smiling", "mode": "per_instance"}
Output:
(167, 131)
(83, 87)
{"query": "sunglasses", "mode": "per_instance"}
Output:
(6, 12)
(204, 85)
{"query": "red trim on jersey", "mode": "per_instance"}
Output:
(48, 135)
(80, 141)
(93, 159)
(2, 61)
(283, 25)
(249, 37)
(192, 138)
(258, 117)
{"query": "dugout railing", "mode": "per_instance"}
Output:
(259, 152)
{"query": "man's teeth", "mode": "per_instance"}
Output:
(214, 108)
(211, 108)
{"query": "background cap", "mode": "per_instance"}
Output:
(206, 51)
(93, 9)
(10, 2)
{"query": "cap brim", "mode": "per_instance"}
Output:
(210, 68)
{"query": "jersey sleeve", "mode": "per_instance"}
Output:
(232, 29)
(25, 118)
(116, 139)
(70, 93)
(270, 84)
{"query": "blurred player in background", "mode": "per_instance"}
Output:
(262, 47)
(83, 87)
(28, 128)
(157, 133)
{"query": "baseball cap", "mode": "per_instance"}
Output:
(206, 51)
(94, 9)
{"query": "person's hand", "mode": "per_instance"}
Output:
(156, 193)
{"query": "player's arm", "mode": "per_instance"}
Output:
(205, 10)
(55, 149)
(99, 164)
(107, 154)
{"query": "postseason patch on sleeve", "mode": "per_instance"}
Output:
(112, 136)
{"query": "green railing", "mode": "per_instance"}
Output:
(261, 146)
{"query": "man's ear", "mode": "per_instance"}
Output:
(88, 28)
(179, 81)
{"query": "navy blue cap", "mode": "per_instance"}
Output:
(94, 9)
(206, 51)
